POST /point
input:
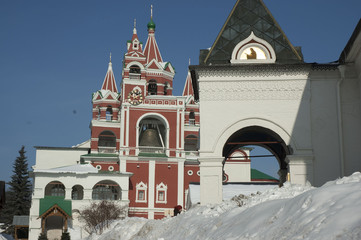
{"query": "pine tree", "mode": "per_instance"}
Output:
(65, 236)
(42, 236)
(19, 193)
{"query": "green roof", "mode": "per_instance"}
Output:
(152, 155)
(151, 24)
(255, 174)
(100, 155)
(48, 202)
(250, 16)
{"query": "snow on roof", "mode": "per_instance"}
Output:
(78, 169)
(83, 144)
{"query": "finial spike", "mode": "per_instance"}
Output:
(189, 62)
(135, 23)
(110, 57)
(151, 12)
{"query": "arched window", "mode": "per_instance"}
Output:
(109, 114)
(192, 118)
(134, 69)
(165, 88)
(99, 113)
(77, 192)
(55, 189)
(152, 135)
(107, 142)
(152, 87)
(106, 190)
(191, 143)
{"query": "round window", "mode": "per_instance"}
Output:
(198, 173)
(98, 167)
(111, 168)
(190, 172)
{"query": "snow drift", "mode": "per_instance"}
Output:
(291, 212)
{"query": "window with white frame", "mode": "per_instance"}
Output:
(161, 196)
(141, 192)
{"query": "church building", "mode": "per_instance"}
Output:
(143, 150)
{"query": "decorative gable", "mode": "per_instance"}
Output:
(253, 50)
(247, 17)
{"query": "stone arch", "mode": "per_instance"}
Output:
(77, 192)
(162, 120)
(264, 135)
(249, 122)
(107, 190)
(55, 188)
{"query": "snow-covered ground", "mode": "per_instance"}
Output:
(332, 211)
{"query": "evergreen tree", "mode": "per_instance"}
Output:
(65, 236)
(42, 236)
(19, 193)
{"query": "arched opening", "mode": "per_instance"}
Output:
(134, 72)
(152, 87)
(106, 190)
(77, 192)
(192, 118)
(165, 88)
(191, 143)
(109, 114)
(54, 226)
(107, 142)
(55, 189)
(259, 137)
(152, 135)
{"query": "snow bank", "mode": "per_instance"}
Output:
(291, 212)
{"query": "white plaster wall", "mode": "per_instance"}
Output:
(325, 137)
(69, 180)
(53, 158)
(351, 120)
(290, 117)
(238, 172)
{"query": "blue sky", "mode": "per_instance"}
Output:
(54, 54)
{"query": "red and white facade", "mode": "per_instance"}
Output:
(154, 133)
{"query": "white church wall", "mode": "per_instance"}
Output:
(351, 119)
(238, 171)
(288, 110)
(57, 157)
(324, 126)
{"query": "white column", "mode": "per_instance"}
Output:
(177, 135)
(301, 168)
(68, 193)
(180, 181)
(151, 189)
(211, 180)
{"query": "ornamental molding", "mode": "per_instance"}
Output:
(255, 90)
(244, 71)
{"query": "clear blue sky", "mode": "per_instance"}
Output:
(54, 54)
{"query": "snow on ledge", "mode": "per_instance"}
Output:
(78, 169)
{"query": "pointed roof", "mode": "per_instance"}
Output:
(151, 50)
(109, 80)
(188, 88)
(245, 17)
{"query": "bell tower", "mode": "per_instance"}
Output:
(105, 121)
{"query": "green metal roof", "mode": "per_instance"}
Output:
(100, 155)
(48, 202)
(255, 174)
(250, 16)
(152, 155)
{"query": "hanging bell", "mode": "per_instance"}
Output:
(150, 137)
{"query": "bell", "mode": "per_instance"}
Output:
(150, 137)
